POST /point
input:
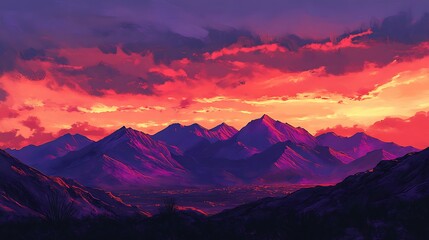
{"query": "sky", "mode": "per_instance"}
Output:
(90, 67)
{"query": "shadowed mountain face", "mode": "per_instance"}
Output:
(360, 144)
(39, 156)
(124, 159)
(186, 137)
(25, 192)
(390, 200)
(282, 162)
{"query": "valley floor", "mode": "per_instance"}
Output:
(207, 200)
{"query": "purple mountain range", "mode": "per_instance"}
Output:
(360, 144)
(265, 150)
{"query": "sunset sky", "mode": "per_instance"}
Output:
(338, 65)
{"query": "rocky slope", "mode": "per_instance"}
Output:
(26, 192)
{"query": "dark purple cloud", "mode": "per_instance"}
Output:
(36, 31)
(3, 94)
(402, 28)
(101, 77)
(185, 103)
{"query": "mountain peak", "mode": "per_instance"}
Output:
(330, 134)
(263, 132)
(267, 118)
(72, 136)
(264, 120)
(223, 131)
(360, 135)
(124, 131)
(196, 126)
(223, 125)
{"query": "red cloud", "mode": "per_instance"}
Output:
(85, 129)
(39, 135)
(6, 112)
(412, 131)
(33, 123)
(11, 139)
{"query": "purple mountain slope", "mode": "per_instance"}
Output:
(364, 163)
(380, 197)
(289, 162)
(388, 202)
(39, 156)
(282, 162)
(319, 164)
(264, 132)
(228, 149)
(124, 159)
(186, 137)
(306, 164)
(25, 192)
(360, 144)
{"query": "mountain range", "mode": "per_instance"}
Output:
(360, 144)
(382, 186)
(263, 151)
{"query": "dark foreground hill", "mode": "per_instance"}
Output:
(27, 193)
